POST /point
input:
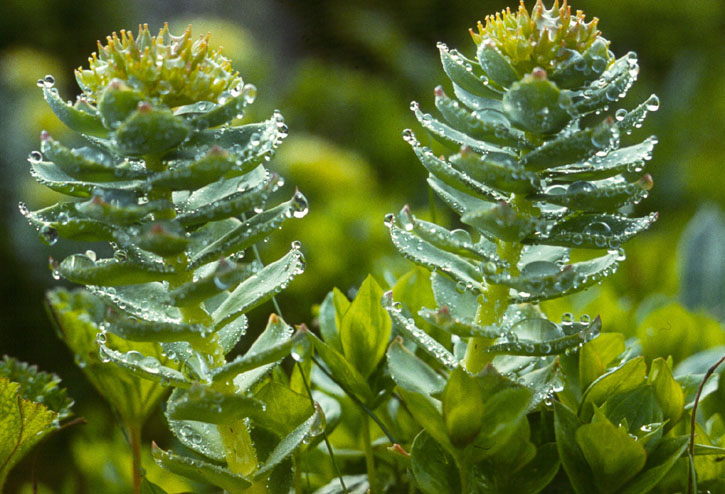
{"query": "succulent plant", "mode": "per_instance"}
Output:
(529, 156)
(177, 186)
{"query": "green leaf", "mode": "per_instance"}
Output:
(80, 268)
(500, 172)
(150, 131)
(195, 174)
(199, 470)
(268, 350)
(223, 112)
(633, 119)
(571, 147)
(624, 378)
(259, 287)
(31, 407)
(659, 462)
(601, 196)
(536, 105)
(117, 102)
(88, 164)
(200, 437)
(148, 487)
(637, 408)
(543, 345)
(133, 329)
(462, 408)
(343, 372)
(144, 366)
(425, 254)
(54, 178)
(503, 221)
(365, 328)
(427, 412)
(597, 355)
(208, 405)
(423, 340)
(576, 467)
(292, 441)
(502, 416)
(331, 311)
(223, 275)
(283, 410)
(579, 69)
(63, 220)
(434, 469)
(496, 66)
(626, 159)
(539, 472)
(670, 396)
(443, 319)
(73, 117)
(612, 454)
(410, 372)
(462, 306)
(594, 231)
(456, 68)
(458, 201)
(610, 87)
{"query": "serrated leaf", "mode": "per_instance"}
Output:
(365, 328)
(76, 119)
(410, 372)
(259, 287)
(594, 231)
(433, 467)
(612, 454)
(199, 470)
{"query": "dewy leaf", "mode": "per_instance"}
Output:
(76, 119)
(612, 454)
(260, 287)
(610, 87)
(80, 268)
(535, 104)
(207, 405)
(365, 328)
(434, 469)
(31, 406)
(411, 373)
(147, 367)
(199, 470)
(462, 407)
(283, 409)
(458, 71)
(150, 131)
(594, 231)
(461, 305)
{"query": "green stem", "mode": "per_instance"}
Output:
(369, 456)
(134, 439)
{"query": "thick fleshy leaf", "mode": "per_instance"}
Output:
(251, 231)
(594, 231)
(433, 467)
(422, 339)
(150, 131)
(411, 373)
(133, 329)
(626, 159)
(80, 268)
(580, 68)
(536, 105)
(223, 275)
(117, 102)
(226, 110)
(554, 346)
(88, 164)
(503, 221)
(200, 437)
(429, 256)
(605, 195)
(461, 73)
(200, 470)
(461, 304)
(365, 328)
(63, 220)
(192, 175)
(147, 367)
(496, 66)
(207, 405)
(499, 172)
(458, 201)
(443, 319)
(50, 175)
(267, 350)
(610, 87)
(633, 119)
(260, 287)
(571, 147)
(75, 118)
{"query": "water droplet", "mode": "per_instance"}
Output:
(48, 81)
(250, 93)
(35, 156)
(620, 114)
(653, 103)
(49, 234)
(296, 244)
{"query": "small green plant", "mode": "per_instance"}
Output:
(179, 190)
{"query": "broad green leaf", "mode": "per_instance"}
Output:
(463, 409)
(427, 255)
(31, 407)
(462, 306)
(284, 409)
(200, 437)
(571, 147)
(427, 412)
(539, 472)
(260, 287)
(410, 372)
(614, 457)
(502, 416)
(659, 462)
(343, 372)
(76, 119)
(456, 68)
(572, 458)
(292, 441)
(594, 231)
(597, 355)
(331, 311)
(434, 469)
(199, 470)
(536, 105)
(637, 408)
(365, 328)
(670, 396)
(624, 378)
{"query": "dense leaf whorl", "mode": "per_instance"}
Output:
(178, 187)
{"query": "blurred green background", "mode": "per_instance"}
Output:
(343, 74)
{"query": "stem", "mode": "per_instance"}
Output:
(369, 456)
(134, 439)
(710, 372)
